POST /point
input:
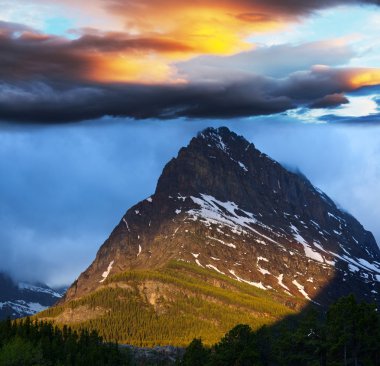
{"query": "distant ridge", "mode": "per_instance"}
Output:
(23, 299)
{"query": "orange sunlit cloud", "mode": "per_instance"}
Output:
(365, 77)
(207, 27)
(153, 35)
(117, 57)
(200, 29)
(120, 69)
(170, 58)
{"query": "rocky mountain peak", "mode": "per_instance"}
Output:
(221, 204)
(225, 140)
(216, 161)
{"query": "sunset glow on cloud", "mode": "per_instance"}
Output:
(201, 58)
(366, 77)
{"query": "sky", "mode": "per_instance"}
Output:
(96, 96)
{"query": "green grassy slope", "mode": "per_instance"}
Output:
(172, 305)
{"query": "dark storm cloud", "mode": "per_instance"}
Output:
(39, 102)
(256, 95)
(48, 79)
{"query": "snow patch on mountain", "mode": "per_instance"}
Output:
(301, 289)
(256, 284)
(126, 224)
(107, 272)
(222, 242)
(260, 269)
(242, 166)
(280, 279)
(297, 236)
(22, 308)
(214, 268)
(35, 288)
(229, 214)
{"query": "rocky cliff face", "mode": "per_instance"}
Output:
(225, 206)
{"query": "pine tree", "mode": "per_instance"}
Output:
(196, 354)
(238, 347)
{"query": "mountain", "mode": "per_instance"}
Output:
(24, 299)
(229, 236)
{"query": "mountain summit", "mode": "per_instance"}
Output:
(224, 205)
(230, 215)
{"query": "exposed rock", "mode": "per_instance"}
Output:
(225, 206)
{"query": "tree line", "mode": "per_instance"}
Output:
(38, 343)
(347, 334)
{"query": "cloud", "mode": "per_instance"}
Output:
(206, 27)
(8, 27)
(56, 102)
(51, 79)
(249, 10)
(119, 42)
(217, 26)
(28, 54)
(368, 120)
(330, 101)
(342, 159)
(265, 60)
(64, 188)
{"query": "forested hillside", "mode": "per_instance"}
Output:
(171, 306)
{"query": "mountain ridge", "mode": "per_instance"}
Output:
(294, 197)
(19, 299)
(225, 207)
